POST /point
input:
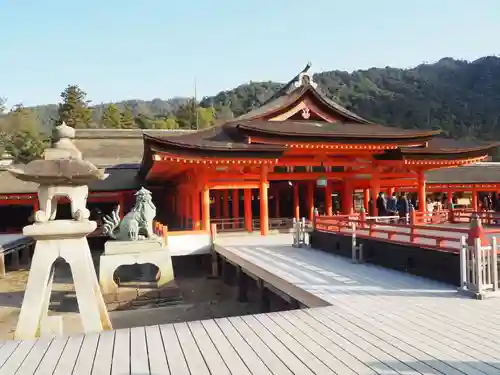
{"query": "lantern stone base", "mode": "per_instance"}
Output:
(64, 239)
(120, 253)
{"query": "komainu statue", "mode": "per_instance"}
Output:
(137, 224)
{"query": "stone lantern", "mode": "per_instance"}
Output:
(62, 173)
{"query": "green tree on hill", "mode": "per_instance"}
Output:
(74, 109)
(128, 119)
(22, 138)
(206, 117)
(191, 116)
(111, 118)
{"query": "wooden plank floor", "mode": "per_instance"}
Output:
(380, 322)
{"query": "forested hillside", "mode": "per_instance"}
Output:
(459, 97)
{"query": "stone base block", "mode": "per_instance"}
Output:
(126, 247)
(109, 263)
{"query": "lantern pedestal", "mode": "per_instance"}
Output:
(64, 239)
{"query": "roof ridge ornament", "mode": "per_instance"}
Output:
(305, 78)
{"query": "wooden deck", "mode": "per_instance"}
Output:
(380, 322)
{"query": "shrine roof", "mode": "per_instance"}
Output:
(482, 173)
(219, 139)
(342, 131)
(299, 87)
(442, 148)
(119, 179)
(109, 147)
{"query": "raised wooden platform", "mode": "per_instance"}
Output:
(380, 322)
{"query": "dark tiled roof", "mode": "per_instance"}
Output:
(332, 130)
(478, 173)
(448, 148)
(109, 147)
(118, 179)
(289, 98)
(222, 139)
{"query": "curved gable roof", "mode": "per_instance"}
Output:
(298, 88)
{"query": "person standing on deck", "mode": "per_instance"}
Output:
(403, 207)
(392, 205)
(381, 205)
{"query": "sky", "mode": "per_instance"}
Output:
(124, 49)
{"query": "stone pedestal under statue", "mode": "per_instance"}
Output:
(119, 253)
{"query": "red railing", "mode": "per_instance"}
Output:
(442, 238)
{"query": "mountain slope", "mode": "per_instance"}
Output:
(461, 98)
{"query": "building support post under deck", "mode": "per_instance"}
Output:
(264, 204)
(247, 195)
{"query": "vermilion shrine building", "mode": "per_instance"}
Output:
(297, 148)
(297, 151)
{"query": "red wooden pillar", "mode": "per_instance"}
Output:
(366, 199)
(235, 206)
(422, 198)
(328, 199)
(347, 198)
(225, 203)
(196, 210)
(205, 208)
(248, 209)
(217, 203)
(391, 191)
(189, 210)
(36, 204)
(475, 202)
(264, 204)
(121, 203)
(296, 204)
(310, 200)
(375, 190)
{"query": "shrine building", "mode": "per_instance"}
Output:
(294, 153)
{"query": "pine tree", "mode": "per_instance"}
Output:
(22, 138)
(74, 109)
(128, 119)
(111, 118)
(186, 115)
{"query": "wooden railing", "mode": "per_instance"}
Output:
(238, 224)
(440, 238)
(479, 267)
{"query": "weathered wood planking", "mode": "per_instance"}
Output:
(380, 322)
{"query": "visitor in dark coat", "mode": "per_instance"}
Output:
(403, 206)
(382, 205)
